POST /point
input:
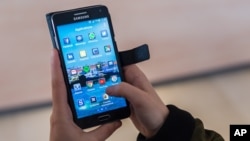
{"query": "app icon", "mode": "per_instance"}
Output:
(93, 99)
(86, 69)
(95, 51)
(114, 78)
(107, 48)
(77, 87)
(102, 81)
(70, 56)
(104, 33)
(83, 53)
(80, 102)
(79, 38)
(73, 78)
(92, 36)
(66, 41)
(89, 84)
(99, 67)
(105, 96)
(110, 63)
(73, 72)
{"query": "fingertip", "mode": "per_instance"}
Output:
(110, 90)
(118, 124)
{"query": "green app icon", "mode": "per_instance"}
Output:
(92, 36)
(86, 69)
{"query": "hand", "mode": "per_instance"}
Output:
(148, 112)
(62, 126)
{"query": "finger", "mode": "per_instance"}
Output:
(136, 77)
(59, 93)
(104, 131)
(134, 95)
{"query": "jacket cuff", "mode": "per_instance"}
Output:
(178, 126)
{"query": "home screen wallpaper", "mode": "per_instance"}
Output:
(91, 65)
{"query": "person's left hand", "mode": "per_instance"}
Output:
(62, 126)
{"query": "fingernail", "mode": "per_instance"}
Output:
(109, 89)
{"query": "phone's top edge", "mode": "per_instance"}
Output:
(64, 11)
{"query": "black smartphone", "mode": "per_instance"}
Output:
(90, 63)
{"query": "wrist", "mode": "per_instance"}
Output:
(159, 121)
(179, 125)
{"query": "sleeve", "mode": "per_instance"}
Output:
(201, 134)
(181, 126)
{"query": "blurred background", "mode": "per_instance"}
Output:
(200, 59)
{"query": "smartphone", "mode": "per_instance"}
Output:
(90, 63)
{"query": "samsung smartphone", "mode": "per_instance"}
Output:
(90, 63)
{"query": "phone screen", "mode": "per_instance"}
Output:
(91, 65)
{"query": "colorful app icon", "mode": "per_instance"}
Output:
(107, 48)
(86, 69)
(80, 102)
(105, 96)
(66, 41)
(92, 36)
(77, 87)
(79, 38)
(93, 99)
(114, 78)
(90, 84)
(70, 56)
(73, 78)
(102, 81)
(95, 51)
(104, 33)
(83, 54)
(73, 72)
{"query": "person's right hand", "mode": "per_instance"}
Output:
(148, 112)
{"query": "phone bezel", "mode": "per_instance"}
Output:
(66, 17)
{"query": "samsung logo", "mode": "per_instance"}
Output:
(81, 17)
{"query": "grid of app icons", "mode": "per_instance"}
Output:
(92, 79)
(90, 35)
(84, 53)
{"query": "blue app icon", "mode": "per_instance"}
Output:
(95, 51)
(93, 100)
(104, 33)
(77, 87)
(70, 56)
(80, 102)
(66, 41)
(79, 38)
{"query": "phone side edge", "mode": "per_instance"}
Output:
(50, 26)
